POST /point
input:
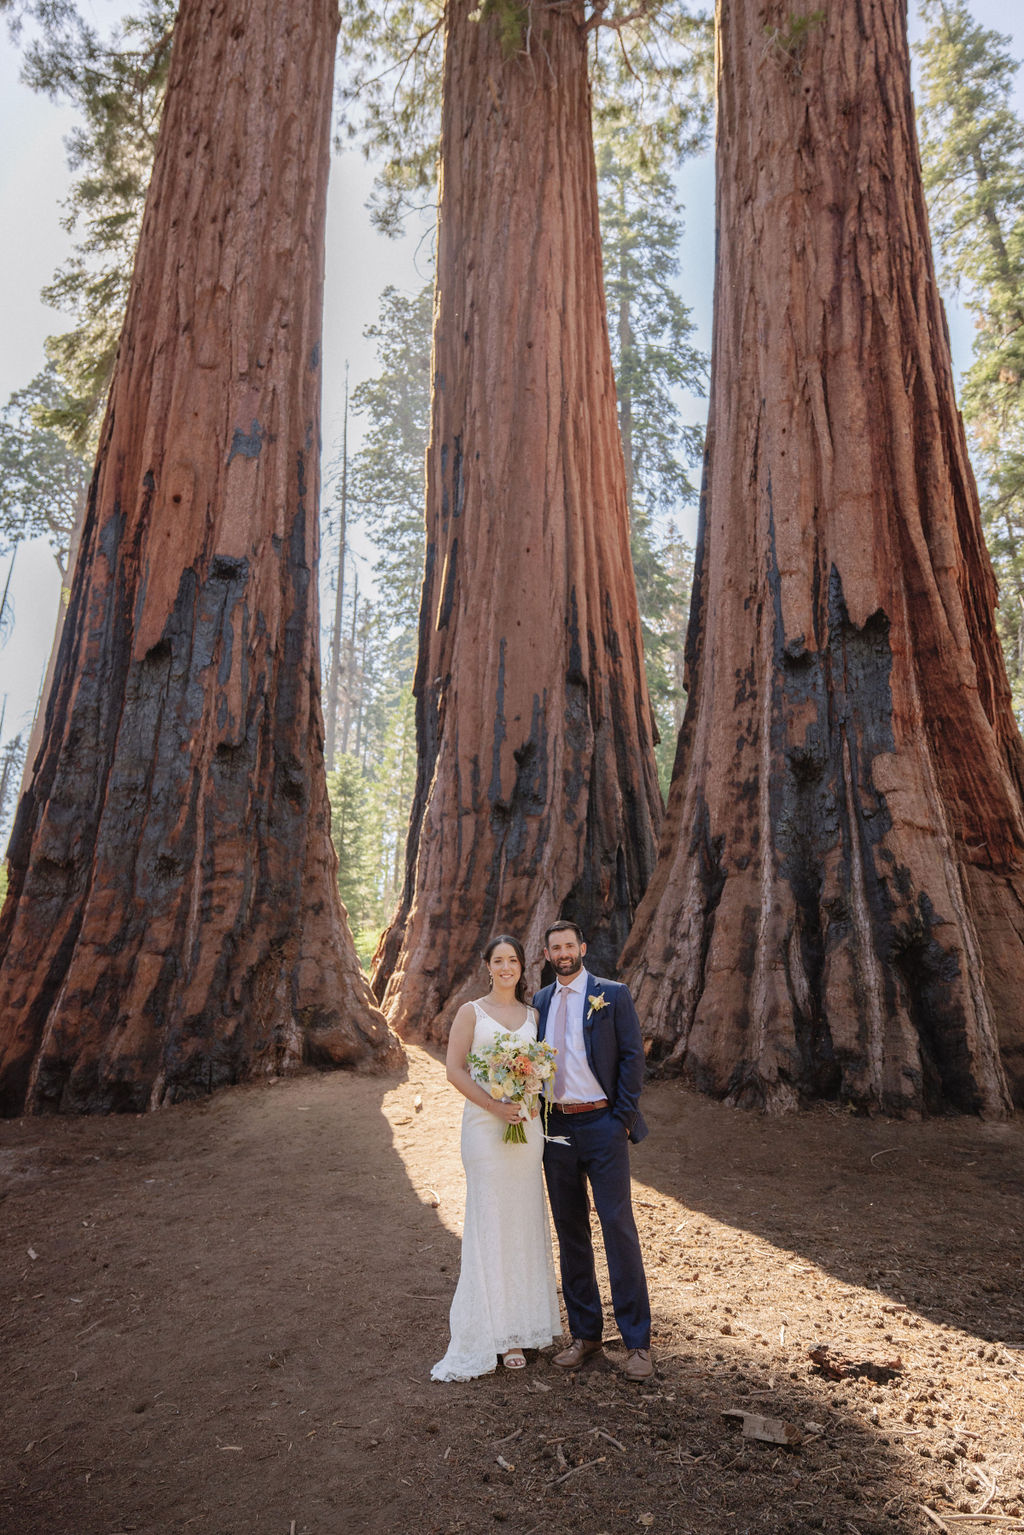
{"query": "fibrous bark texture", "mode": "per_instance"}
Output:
(173, 921)
(537, 794)
(837, 909)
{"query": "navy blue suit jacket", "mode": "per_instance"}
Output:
(615, 1048)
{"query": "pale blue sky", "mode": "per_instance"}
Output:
(360, 263)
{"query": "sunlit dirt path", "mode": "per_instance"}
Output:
(221, 1319)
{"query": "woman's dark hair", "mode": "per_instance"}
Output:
(514, 944)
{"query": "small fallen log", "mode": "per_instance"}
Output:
(767, 1430)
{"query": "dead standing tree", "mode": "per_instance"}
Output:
(838, 908)
(536, 792)
(173, 920)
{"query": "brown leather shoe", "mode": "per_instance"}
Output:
(579, 1350)
(638, 1364)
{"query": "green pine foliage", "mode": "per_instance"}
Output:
(42, 481)
(651, 72)
(654, 358)
(388, 471)
(352, 833)
(649, 328)
(512, 19)
(653, 81)
(12, 764)
(372, 791)
(665, 656)
(972, 147)
(370, 794)
(117, 84)
(390, 87)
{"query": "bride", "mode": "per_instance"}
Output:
(505, 1299)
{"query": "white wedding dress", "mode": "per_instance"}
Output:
(506, 1295)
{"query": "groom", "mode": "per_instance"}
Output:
(593, 1106)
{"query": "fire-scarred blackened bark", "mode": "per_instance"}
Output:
(537, 793)
(173, 920)
(838, 908)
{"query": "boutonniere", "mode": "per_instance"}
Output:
(597, 1001)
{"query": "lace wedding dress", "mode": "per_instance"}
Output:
(505, 1296)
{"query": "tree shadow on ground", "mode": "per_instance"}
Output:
(928, 1214)
(732, 1332)
(202, 1312)
(221, 1319)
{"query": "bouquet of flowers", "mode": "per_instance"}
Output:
(516, 1072)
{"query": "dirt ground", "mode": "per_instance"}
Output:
(220, 1320)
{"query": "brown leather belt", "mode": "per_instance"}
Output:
(580, 1108)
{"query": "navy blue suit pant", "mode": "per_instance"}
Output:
(597, 1155)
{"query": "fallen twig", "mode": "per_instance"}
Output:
(930, 1514)
(991, 1490)
(508, 1438)
(573, 1470)
(604, 1435)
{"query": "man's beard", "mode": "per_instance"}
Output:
(568, 966)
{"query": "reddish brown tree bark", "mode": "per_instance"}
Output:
(173, 920)
(838, 908)
(536, 794)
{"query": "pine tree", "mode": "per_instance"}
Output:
(388, 471)
(650, 329)
(972, 148)
(386, 491)
(370, 797)
(118, 86)
(12, 761)
(353, 834)
(334, 526)
(393, 789)
(42, 481)
(666, 656)
(653, 357)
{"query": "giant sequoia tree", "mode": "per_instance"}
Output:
(536, 791)
(838, 908)
(173, 920)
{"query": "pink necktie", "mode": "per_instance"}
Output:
(558, 1042)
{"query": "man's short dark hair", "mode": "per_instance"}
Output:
(564, 926)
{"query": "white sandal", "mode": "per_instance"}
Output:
(514, 1359)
